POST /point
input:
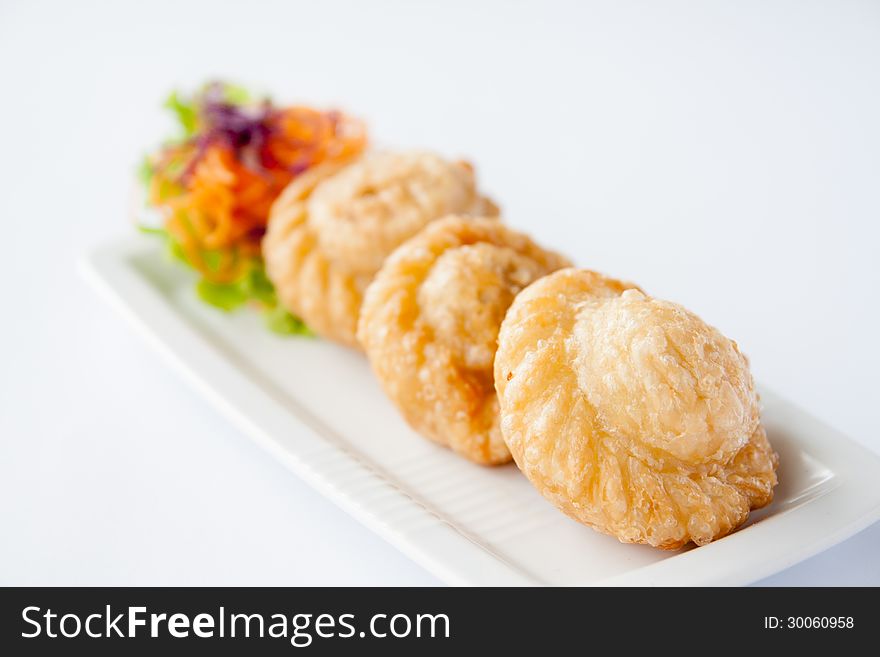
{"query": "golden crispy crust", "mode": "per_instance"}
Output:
(332, 228)
(630, 414)
(429, 325)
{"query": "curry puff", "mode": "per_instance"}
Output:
(331, 229)
(430, 321)
(631, 414)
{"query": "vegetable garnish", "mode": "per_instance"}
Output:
(214, 185)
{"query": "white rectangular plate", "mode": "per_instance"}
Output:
(316, 407)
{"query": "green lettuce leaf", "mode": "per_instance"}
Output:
(236, 94)
(185, 111)
(278, 320)
(150, 230)
(226, 296)
(145, 171)
(258, 286)
(253, 288)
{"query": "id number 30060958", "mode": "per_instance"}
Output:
(809, 622)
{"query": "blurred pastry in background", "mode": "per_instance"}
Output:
(331, 229)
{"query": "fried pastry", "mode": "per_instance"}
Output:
(332, 228)
(631, 414)
(429, 325)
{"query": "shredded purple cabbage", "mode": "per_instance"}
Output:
(245, 130)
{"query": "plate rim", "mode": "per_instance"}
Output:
(443, 549)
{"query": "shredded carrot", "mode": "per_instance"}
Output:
(216, 193)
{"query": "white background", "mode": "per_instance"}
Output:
(723, 155)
